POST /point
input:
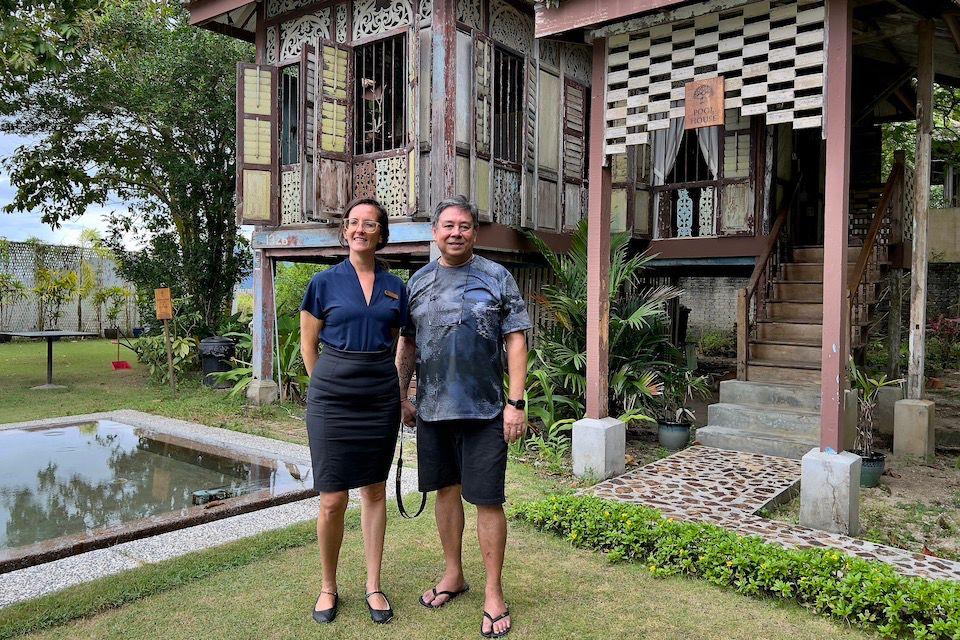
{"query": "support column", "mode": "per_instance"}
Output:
(599, 442)
(263, 388)
(443, 150)
(921, 201)
(836, 331)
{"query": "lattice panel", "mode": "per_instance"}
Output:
(303, 29)
(365, 179)
(550, 53)
(482, 64)
(270, 55)
(371, 17)
(391, 185)
(468, 12)
(341, 23)
(277, 7)
(290, 197)
(579, 62)
(510, 27)
(506, 196)
(771, 54)
(906, 203)
(705, 212)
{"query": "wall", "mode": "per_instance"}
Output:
(712, 301)
(943, 235)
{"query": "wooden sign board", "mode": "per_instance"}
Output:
(164, 304)
(703, 103)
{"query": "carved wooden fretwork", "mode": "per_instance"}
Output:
(306, 28)
(426, 10)
(510, 27)
(270, 55)
(506, 196)
(550, 53)
(771, 54)
(468, 12)
(365, 179)
(705, 211)
(290, 200)
(371, 17)
(341, 23)
(482, 61)
(684, 214)
(392, 184)
(277, 7)
(579, 62)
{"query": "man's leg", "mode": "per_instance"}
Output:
(449, 514)
(492, 533)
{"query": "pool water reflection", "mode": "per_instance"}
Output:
(60, 481)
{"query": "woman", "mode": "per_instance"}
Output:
(355, 309)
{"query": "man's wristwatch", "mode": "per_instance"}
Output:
(519, 404)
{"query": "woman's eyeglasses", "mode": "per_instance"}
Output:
(368, 225)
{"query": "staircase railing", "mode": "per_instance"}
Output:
(765, 271)
(861, 292)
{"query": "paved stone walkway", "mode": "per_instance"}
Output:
(728, 488)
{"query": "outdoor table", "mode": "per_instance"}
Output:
(50, 336)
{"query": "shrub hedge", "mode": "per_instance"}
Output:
(828, 581)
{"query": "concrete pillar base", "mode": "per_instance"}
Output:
(599, 447)
(261, 392)
(914, 428)
(830, 491)
(887, 397)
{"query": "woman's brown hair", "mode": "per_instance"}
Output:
(382, 218)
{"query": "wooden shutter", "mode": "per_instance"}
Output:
(334, 131)
(257, 145)
(308, 123)
(528, 166)
(483, 112)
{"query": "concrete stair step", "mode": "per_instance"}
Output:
(771, 443)
(762, 419)
(795, 311)
(790, 331)
(783, 372)
(805, 397)
(787, 351)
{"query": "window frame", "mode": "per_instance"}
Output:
(357, 47)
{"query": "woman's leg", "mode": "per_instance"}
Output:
(330, 536)
(373, 521)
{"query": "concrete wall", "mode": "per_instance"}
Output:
(712, 301)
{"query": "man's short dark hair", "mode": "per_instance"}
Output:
(458, 202)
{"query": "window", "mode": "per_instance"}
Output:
(380, 72)
(289, 115)
(507, 106)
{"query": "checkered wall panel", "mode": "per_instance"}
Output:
(771, 54)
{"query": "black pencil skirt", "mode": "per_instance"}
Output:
(353, 418)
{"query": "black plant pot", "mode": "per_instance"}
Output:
(111, 334)
(673, 435)
(215, 355)
(5, 339)
(871, 468)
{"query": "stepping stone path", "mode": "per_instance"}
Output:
(728, 488)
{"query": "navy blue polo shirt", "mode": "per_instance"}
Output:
(349, 324)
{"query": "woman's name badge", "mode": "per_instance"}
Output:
(391, 294)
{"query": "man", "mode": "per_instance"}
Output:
(464, 311)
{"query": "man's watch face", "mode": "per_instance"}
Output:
(519, 404)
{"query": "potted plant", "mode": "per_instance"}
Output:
(679, 385)
(872, 462)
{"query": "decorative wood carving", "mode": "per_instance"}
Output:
(365, 179)
(277, 7)
(392, 184)
(270, 54)
(306, 28)
(550, 53)
(468, 12)
(579, 62)
(510, 27)
(290, 197)
(425, 10)
(371, 17)
(684, 214)
(705, 211)
(506, 196)
(341, 23)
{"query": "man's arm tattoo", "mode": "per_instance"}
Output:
(406, 361)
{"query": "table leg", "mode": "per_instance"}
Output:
(50, 361)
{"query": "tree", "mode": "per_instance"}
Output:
(147, 114)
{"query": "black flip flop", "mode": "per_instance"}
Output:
(493, 621)
(450, 596)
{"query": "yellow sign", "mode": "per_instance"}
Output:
(164, 304)
(703, 103)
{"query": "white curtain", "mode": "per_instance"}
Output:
(666, 144)
(709, 140)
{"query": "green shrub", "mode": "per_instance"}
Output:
(717, 344)
(828, 581)
(291, 283)
(152, 351)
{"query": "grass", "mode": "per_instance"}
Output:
(264, 586)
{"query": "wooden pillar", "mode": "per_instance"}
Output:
(598, 244)
(895, 277)
(921, 201)
(443, 150)
(264, 315)
(260, 36)
(836, 333)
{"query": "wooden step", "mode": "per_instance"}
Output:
(804, 311)
(815, 254)
(808, 332)
(807, 291)
(803, 271)
(785, 351)
(791, 373)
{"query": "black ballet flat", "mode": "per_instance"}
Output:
(380, 616)
(327, 615)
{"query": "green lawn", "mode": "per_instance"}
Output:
(264, 587)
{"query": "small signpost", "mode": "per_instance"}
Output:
(164, 307)
(703, 103)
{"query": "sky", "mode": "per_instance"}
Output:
(20, 226)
